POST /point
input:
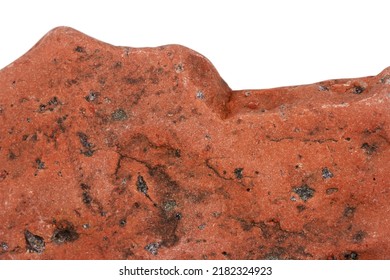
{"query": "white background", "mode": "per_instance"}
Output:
(109, 270)
(253, 44)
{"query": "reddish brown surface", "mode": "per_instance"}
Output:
(113, 153)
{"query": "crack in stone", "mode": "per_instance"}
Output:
(208, 164)
(304, 140)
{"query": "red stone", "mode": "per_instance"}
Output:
(146, 153)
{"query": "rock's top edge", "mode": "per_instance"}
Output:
(61, 36)
(66, 51)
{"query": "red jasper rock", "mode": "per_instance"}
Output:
(146, 153)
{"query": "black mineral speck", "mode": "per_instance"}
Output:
(4, 246)
(385, 80)
(122, 222)
(84, 187)
(40, 164)
(34, 243)
(369, 149)
(84, 140)
(304, 192)
(238, 172)
(87, 199)
(65, 232)
(169, 205)
(88, 146)
(326, 174)
(11, 155)
(141, 185)
(301, 208)
(349, 211)
(200, 95)
(331, 190)
(359, 236)
(224, 253)
(152, 248)
(179, 68)
(351, 255)
(92, 96)
(42, 108)
(178, 216)
(54, 101)
(323, 88)
(79, 49)
(88, 153)
(175, 152)
(358, 89)
(118, 64)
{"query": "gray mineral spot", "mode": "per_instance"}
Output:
(369, 149)
(4, 246)
(238, 172)
(202, 226)
(326, 174)
(119, 115)
(141, 185)
(179, 68)
(92, 96)
(199, 95)
(40, 163)
(304, 192)
(34, 243)
(152, 248)
(169, 205)
(84, 140)
(331, 190)
(349, 211)
(323, 88)
(65, 233)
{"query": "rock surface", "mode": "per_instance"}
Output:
(145, 153)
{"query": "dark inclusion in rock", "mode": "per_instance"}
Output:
(65, 232)
(304, 192)
(34, 243)
(141, 185)
(152, 248)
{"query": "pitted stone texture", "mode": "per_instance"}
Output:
(123, 153)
